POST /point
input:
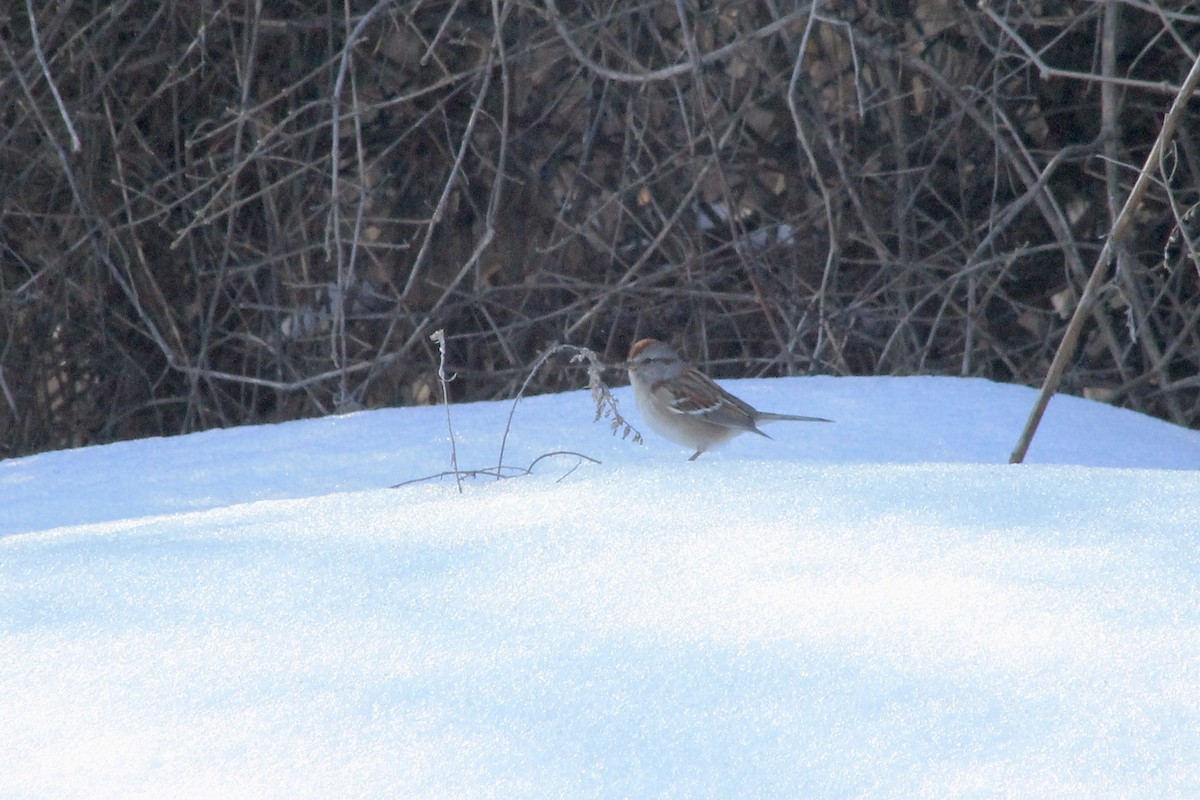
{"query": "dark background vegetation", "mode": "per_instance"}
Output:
(218, 212)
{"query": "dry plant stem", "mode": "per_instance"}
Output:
(520, 393)
(346, 262)
(8, 395)
(824, 333)
(1116, 238)
(1110, 135)
(335, 121)
(507, 472)
(605, 402)
(439, 336)
(41, 58)
(1139, 318)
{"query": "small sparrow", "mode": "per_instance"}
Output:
(684, 406)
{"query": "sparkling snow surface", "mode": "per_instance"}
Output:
(879, 608)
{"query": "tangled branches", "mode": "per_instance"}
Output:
(271, 206)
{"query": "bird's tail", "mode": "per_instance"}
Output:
(764, 416)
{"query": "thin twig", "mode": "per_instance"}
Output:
(439, 336)
(506, 472)
(76, 145)
(606, 404)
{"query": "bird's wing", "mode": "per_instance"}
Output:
(728, 411)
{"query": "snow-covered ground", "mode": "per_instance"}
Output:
(877, 608)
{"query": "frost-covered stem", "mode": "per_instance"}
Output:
(606, 404)
(439, 336)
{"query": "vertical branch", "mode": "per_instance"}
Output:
(439, 336)
(825, 335)
(1137, 310)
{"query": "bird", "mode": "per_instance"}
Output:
(685, 406)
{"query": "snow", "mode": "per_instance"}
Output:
(880, 608)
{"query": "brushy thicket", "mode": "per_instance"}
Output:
(219, 211)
